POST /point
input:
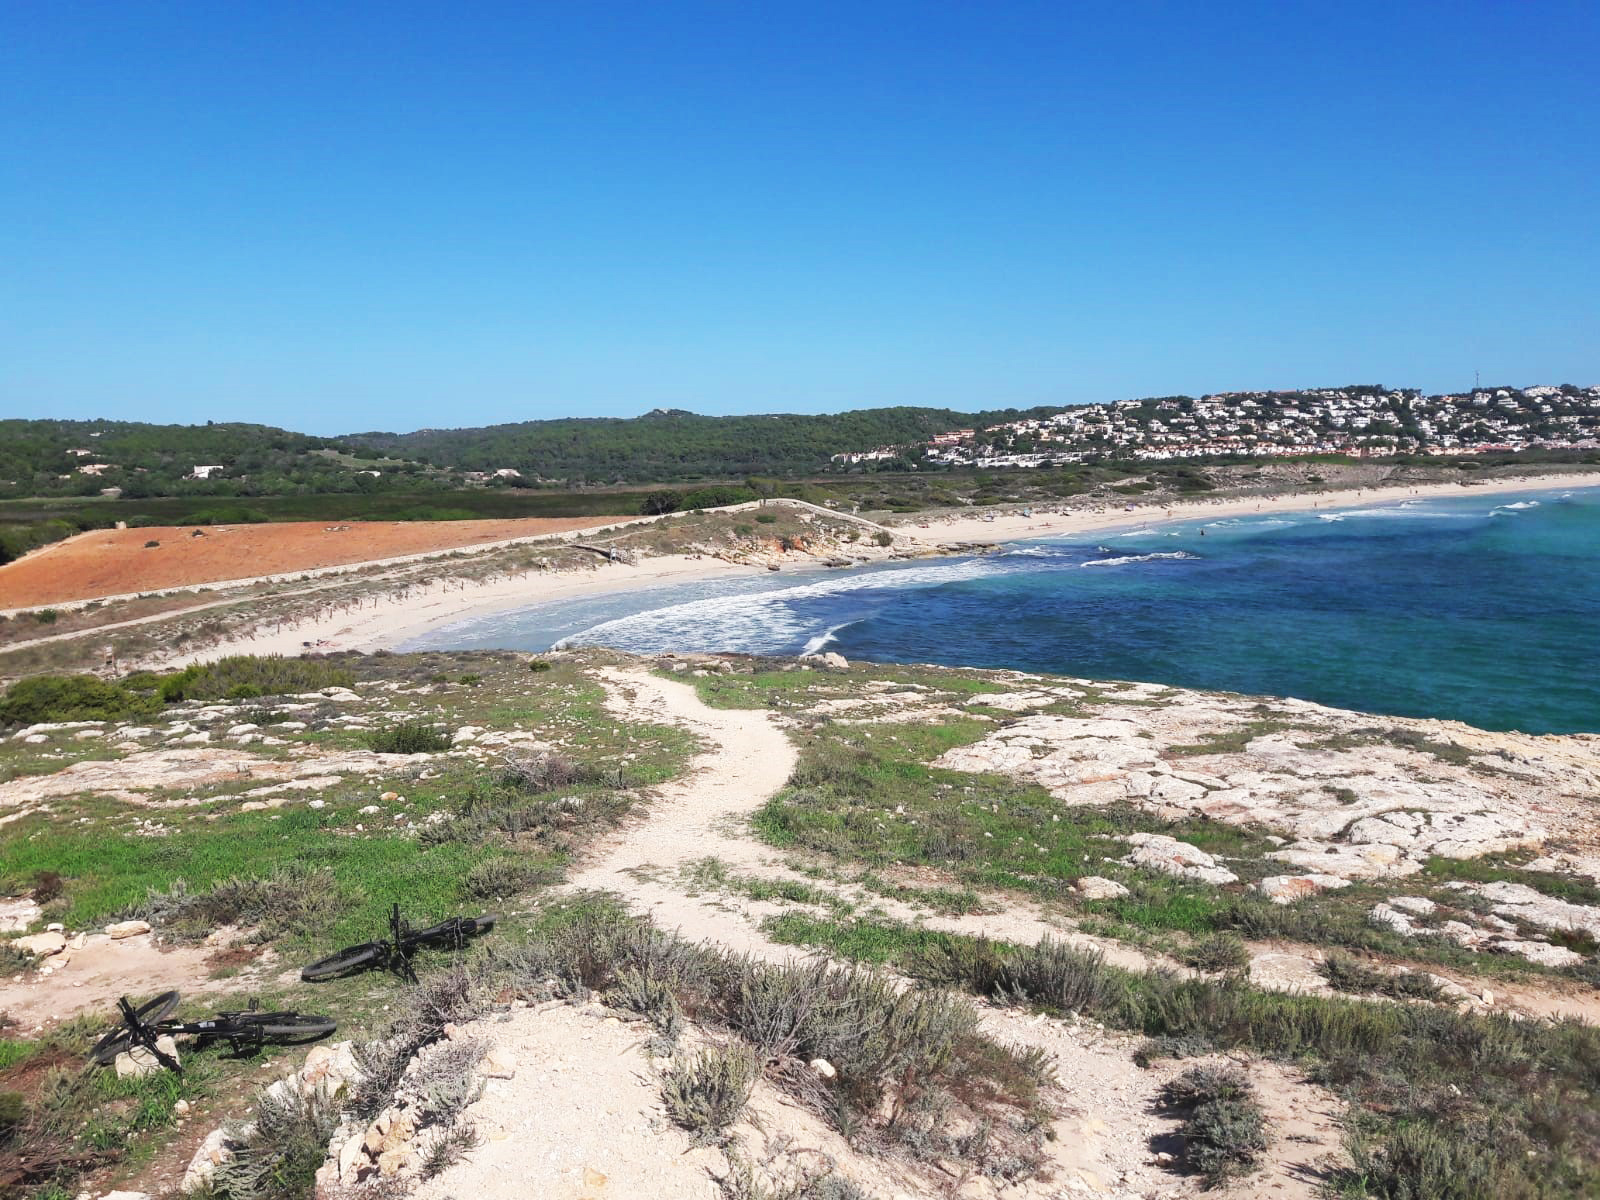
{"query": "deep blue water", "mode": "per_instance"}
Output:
(1484, 609)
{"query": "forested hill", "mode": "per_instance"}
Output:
(671, 445)
(83, 458)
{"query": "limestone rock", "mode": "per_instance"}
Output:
(41, 944)
(1286, 889)
(1159, 852)
(213, 1152)
(498, 1064)
(139, 1060)
(127, 929)
(1097, 887)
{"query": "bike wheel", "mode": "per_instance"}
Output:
(452, 932)
(351, 958)
(105, 1051)
(287, 1027)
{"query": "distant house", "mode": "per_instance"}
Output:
(81, 453)
(205, 472)
(93, 468)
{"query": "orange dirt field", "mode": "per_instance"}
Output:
(114, 562)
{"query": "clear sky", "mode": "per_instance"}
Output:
(341, 217)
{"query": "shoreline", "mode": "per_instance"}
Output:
(1013, 526)
(387, 624)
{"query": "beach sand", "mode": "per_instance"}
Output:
(971, 525)
(383, 623)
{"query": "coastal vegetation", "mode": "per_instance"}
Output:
(888, 861)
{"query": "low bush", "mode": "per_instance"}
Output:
(280, 1150)
(441, 1000)
(1218, 952)
(242, 676)
(1224, 1129)
(1051, 974)
(294, 899)
(49, 698)
(1347, 974)
(909, 1067)
(709, 1094)
(547, 771)
(410, 737)
(497, 878)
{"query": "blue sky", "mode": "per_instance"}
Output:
(357, 216)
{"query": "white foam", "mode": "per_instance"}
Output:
(1136, 558)
(759, 622)
(826, 638)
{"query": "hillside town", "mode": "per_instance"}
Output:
(1364, 421)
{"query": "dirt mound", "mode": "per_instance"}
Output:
(116, 562)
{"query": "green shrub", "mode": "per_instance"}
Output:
(46, 616)
(1224, 1130)
(708, 1095)
(294, 899)
(1218, 952)
(410, 737)
(496, 878)
(883, 537)
(539, 664)
(717, 495)
(1348, 974)
(245, 676)
(765, 518)
(281, 1148)
(1051, 974)
(70, 698)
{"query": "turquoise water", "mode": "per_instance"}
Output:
(1484, 609)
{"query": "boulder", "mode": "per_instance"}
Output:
(1159, 852)
(41, 944)
(1286, 889)
(17, 913)
(1096, 887)
(139, 1061)
(127, 929)
(213, 1152)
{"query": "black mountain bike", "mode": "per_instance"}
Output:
(243, 1031)
(394, 954)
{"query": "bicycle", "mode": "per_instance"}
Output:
(243, 1031)
(394, 953)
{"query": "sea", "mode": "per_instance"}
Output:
(1483, 608)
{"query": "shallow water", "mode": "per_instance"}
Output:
(1484, 609)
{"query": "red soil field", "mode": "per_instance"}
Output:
(114, 562)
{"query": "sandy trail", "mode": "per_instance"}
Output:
(1104, 1142)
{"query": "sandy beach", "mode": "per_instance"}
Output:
(385, 622)
(967, 525)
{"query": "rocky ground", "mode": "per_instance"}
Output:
(1429, 847)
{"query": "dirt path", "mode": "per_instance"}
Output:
(1104, 1142)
